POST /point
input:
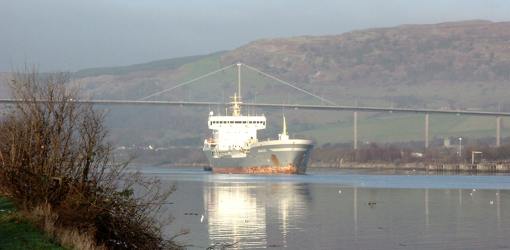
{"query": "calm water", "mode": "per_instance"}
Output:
(335, 209)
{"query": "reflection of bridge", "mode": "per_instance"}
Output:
(331, 106)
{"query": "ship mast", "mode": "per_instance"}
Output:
(239, 80)
(236, 104)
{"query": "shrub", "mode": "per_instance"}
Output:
(53, 152)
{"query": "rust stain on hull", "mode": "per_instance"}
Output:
(289, 169)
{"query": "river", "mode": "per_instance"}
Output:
(339, 209)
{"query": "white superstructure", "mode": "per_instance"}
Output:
(233, 132)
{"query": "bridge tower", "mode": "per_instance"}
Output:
(498, 131)
(355, 128)
(426, 130)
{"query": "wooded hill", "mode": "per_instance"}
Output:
(452, 65)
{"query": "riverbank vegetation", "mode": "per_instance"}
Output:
(57, 168)
(411, 152)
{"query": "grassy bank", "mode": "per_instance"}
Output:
(17, 233)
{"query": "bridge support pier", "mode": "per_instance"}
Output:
(355, 136)
(427, 130)
(498, 131)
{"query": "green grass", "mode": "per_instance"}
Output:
(172, 63)
(16, 233)
(398, 127)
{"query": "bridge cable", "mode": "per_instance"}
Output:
(185, 83)
(290, 85)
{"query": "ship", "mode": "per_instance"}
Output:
(233, 147)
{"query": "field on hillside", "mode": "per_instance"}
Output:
(385, 127)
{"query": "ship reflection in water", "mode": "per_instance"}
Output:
(334, 210)
(241, 214)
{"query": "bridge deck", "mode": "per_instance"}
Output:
(279, 106)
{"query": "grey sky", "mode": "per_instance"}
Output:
(75, 34)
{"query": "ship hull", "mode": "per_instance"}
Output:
(289, 169)
(268, 157)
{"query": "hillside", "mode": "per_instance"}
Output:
(408, 65)
(397, 61)
(448, 65)
(412, 54)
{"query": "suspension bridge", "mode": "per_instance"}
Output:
(330, 105)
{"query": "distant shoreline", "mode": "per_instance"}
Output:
(450, 167)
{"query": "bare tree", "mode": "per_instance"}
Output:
(53, 151)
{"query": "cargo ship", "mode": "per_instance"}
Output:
(234, 148)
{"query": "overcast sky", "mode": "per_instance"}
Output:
(76, 34)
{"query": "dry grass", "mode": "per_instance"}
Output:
(43, 217)
(75, 240)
